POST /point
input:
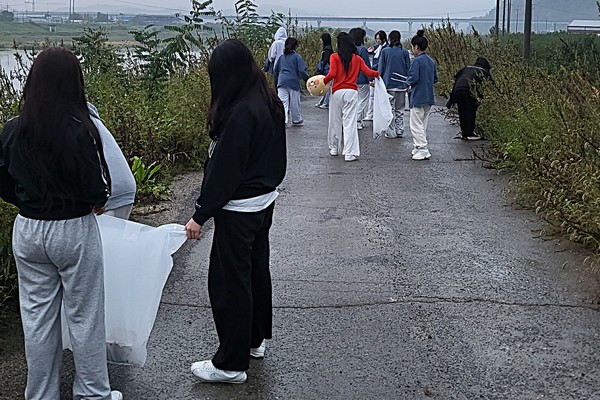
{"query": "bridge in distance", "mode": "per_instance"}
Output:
(409, 20)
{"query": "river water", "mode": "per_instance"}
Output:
(8, 62)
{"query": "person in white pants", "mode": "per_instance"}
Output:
(344, 68)
(342, 119)
(422, 77)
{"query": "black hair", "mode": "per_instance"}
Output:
(326, 38)
(382, 36)
(346, 49)
(291, 44)
(395, 39)
(420, 40)
(53, 97)
(234, 75)
(358, 36)
(483, 63)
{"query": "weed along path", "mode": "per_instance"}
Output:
(393, 279)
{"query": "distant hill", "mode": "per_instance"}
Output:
(554, 10)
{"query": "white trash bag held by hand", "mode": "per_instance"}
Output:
(382, 109)
(137, 263)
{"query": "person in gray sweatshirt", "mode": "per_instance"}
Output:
(393, 66)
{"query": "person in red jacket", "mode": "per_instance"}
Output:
(344, 68)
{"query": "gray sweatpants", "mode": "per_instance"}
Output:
(61, 261)
(397, 101)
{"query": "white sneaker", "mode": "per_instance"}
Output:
(258, 352)
(360, 125)
(391, 135)
(350, 158)
(474, 137)
(207, 372)
(421, 154)
(333, 152)
(116, 395)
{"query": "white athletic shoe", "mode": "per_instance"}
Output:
(333, 152)
(350, 157)
(207, 372)
(360, 125)
(258, 352)
(116, 395)
(421, 154)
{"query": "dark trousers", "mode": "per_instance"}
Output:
(239, 285)
(467, 111)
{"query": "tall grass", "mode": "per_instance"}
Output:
(544, 117)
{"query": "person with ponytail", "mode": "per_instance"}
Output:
(344, 68)
(246, 162)
(323, 67)
(52, 167)
(362, 82)
(421, 78)
(394, 64)
(289, 69)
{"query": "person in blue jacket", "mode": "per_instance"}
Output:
(358, 36)
(394, 64)
(289, 69)
(421, 78)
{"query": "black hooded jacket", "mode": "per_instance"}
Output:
(472, 76)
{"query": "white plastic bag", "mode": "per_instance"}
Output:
(382, 109)
(137, 263)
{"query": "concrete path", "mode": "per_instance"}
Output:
(393, 279)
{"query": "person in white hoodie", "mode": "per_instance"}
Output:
(277, 47)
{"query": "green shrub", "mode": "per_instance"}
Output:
(8, 271)
(544, 117)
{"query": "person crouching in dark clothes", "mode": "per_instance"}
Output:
(466, 94)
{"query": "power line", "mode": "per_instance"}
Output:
(148, 6)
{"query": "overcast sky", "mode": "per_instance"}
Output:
(399, 8)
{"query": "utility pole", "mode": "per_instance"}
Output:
(527, 31)
(503, 17)
(508, 18)
(497, 18)
(517, 22)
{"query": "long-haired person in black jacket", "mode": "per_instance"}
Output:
(246, 162)
(323, 67)
(52, 168)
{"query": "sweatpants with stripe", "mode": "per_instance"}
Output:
(397, 101)
(342, 122)
(239, 285)
(61, 262)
